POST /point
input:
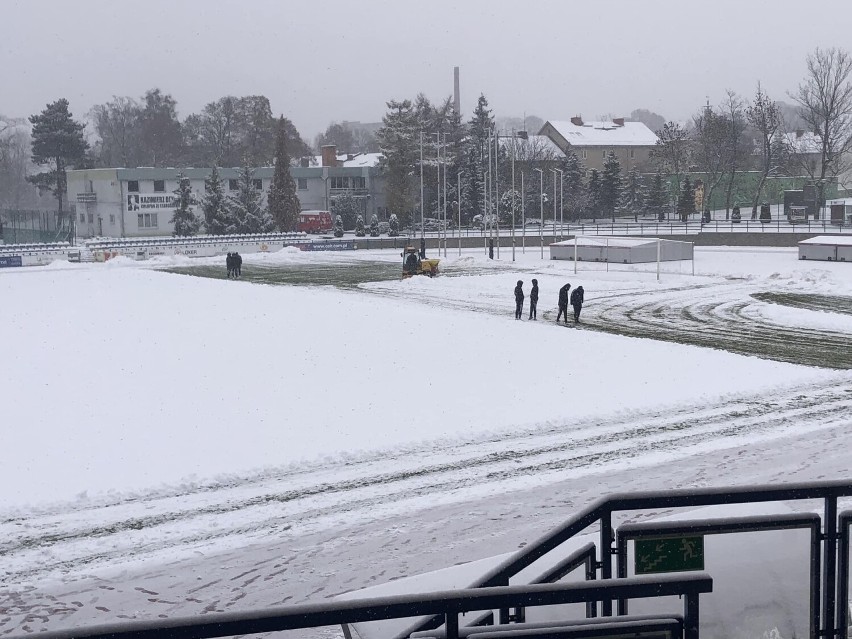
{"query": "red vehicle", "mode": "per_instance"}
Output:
(315, 222)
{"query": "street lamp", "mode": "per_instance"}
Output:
(541, 204)
(561, 202)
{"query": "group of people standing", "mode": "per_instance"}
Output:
(234, 262)
(576, 300)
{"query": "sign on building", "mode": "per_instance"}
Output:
(668, 554)
(139, 202)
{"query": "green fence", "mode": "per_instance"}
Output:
(31, 227)
(745, 185)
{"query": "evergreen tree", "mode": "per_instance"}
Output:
(575, 195)
(214, 204)
(57, 142)
(248, 214)
(656, 201)
(284, 206)
(399, 142)
(632, 196)
(348, 207)
(594, 194)
(686, 200)
(510, 202)
(476, 159)
(611, 187)
(374, 226)
(338, 226)
(359, 227)
(185, 220)
(393, 226)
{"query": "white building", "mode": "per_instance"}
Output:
(139, 202)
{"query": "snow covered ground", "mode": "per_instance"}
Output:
(182, 444)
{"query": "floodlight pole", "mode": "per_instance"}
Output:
(445, 195)
(421, 185)
(523, 218)
(541, 206)
(555, 171)
(658, 259)
(497, 189)
(514, 194)
(459, 203)
(575, 253)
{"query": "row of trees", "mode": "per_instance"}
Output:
(245, 211)
(740, 135)
(720, 142)
(225, 132)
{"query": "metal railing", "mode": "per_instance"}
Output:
(446, 604)
(600, 513)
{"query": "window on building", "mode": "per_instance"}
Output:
(232, 185)
(302, 184)
(359, 183)
(159, 186)
(82, 218)
(584, 154)
(91, 218)
(632, 153)
(258, 184)
(146, 220)
(133, 186)
(603, 154)
(112, 220)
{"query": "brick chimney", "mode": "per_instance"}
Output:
(577, 120)
(329, 155)
(799, 133)
(618, 121)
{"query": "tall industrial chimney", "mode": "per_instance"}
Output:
(456, 96)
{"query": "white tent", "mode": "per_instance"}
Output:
(831, 248)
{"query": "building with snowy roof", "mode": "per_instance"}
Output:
(632, 142)
(621, 250)
(829, 248)
(139, 202)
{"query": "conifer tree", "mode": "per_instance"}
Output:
(374, 226)
(610, 190)
(476, 154)
(214, 204)
(594, 194)
(359, 227)
(632, 196)
(58, 143)
(284, 206)
(575, 191)
(393, 226)
(185, 220)
(656, 201)
(399, 139)
(248, 213)
(686, 200)
(338, 226)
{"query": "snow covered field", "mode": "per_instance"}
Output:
(179, 444)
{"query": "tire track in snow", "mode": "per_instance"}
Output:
(67, 539)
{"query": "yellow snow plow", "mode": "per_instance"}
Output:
(412, 264)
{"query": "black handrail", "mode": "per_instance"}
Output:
(447, 603)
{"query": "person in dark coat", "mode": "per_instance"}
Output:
(533, 300)
(238, 265)
(519, 299)
(577, 303)
(229, 262)
(563, 302)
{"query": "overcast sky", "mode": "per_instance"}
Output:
(319, 61)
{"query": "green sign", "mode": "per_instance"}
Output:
(669, 554)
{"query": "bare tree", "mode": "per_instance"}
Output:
(825, 104)
(117, 124)
(764, 115)
(710, 149)
(735, 145)
(671, 155)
